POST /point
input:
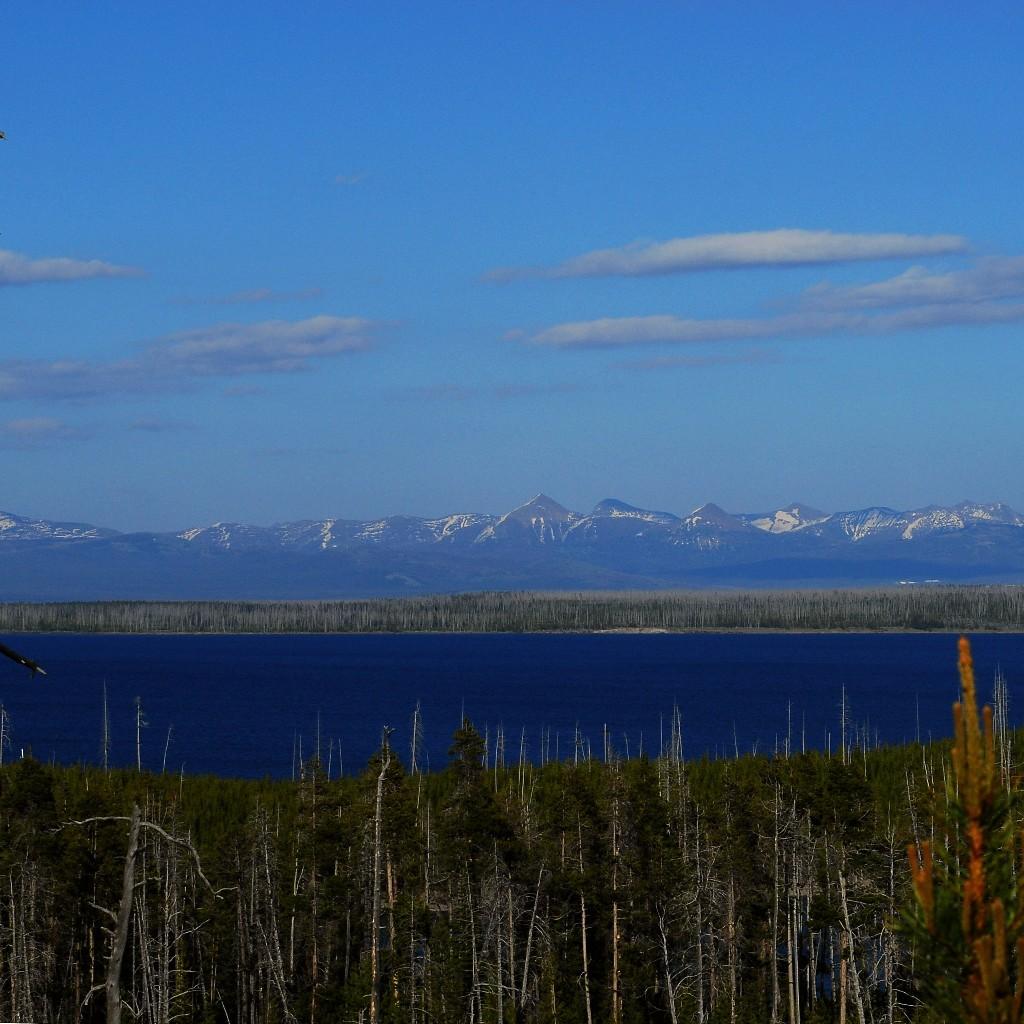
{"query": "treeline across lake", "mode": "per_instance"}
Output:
(594, 889)
(950, 608)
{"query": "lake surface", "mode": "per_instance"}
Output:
(241, 705)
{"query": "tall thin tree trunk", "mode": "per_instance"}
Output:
(670, 989)
(855, 978)
(583, 930)
(616, 930)
(776, 997)
(375, 916)
(112, 984)
(732, 949)
(529, 938)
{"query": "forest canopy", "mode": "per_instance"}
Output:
(949, 608)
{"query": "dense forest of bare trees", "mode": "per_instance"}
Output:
(593, 889)
(952, 608)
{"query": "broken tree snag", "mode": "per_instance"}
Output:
(112, 983)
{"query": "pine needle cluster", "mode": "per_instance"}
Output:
(968, 919)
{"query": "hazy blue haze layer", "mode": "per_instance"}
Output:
(237, 703)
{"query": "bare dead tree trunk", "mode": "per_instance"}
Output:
(140, 721)
(375, 915)
(583, 930)
(616, 929)
(529, 938)
(855, 978)
(776, 996)
(392, 889)
(112, 984)
(790, 962)
(732, 948)
(699, 911)
(843, 981)
(670, 989)
(511, 948)
(476, 1009)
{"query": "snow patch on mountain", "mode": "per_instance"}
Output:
(868, 522)
(787, 520)
(541, 520)
(14, 527)
(463, 526)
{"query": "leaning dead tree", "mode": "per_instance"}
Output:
(21, 659)
(122, 918)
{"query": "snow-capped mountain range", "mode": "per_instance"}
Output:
(540, 544)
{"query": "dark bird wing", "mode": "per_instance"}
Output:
(21, 660)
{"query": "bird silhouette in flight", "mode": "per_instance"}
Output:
(22, 660)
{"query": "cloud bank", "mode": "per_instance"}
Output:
(785, 247)
(702, 362)
(253, 296)
(35, 432)
(624, 332)
(223, 350)
(991, 279)
(17, 269)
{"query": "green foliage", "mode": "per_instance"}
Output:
(968, 917)
(675, 867)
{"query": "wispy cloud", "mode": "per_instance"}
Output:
(348, 180)
(785, 247)
(991, 279)
(253, 296)
(156, 425)
(17, 269)
(36, 432)
(244, 391)
(702, 362)
(499, 392)
(271, 346)
(222, 350)
(624, 332)
(286, 452)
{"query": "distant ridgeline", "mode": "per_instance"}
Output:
(541, 545)
(948, 608)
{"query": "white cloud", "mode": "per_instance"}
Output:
(157, 425)
(489, 392)
(785, 247)
(624, 332)
(992, 278)
(16, 269)
(350, 179)
(35, 432)
(253, 296)
(223, 350)
(702, 362)
(271, 346)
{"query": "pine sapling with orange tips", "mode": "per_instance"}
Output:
(970, 955)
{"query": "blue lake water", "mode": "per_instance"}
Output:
(238, 705)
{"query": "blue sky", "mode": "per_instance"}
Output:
(267, 262)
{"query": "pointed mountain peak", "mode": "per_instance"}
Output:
(710, 511)
(541, 504)
(714, 516)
